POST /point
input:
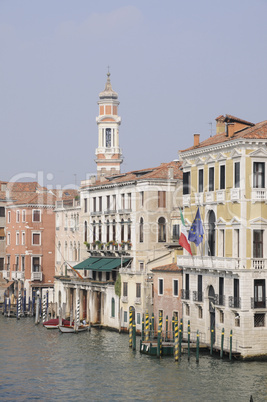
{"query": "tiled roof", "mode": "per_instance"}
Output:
(160, 172)
(167, 268)
(257, 131)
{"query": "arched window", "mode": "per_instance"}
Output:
(94, 231)
(122, 230)
(141, 230)
(161, 229)
(108, 231)
(211, 234)
(113, 307)
(100, 231)
(129, 237)
(85, 231)
(114, 230)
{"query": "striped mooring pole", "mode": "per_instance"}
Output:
(211, 340)
(173, 326)
(231, 343)
(180, 338)
(143, 328)
(153, 325)
(222, 339)
(134, 335)
(159, 344)
(188, 340)
(176, 342)
(19, 306)
(131, 328)
(166, 337)
(197, 351)
(44, 308)
(78, 312)
(147, 327)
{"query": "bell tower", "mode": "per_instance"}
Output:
(108, 153)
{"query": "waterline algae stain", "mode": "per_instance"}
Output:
(99, 365)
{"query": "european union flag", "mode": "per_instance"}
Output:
(196, 231)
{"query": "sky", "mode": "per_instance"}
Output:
(176, 66)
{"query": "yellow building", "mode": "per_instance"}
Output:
(225, 279)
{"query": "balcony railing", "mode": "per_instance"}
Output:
(259, 263)
(256, 303)
(185, 294)
(110, 211)
(94, 213)
(219, 300)
(210, 197)
(125, 210)
(235, 194)
(199, 198)
(197, 296)
(258, 194)
(6, 274)
(20, 275)
(36, 276)
(124, 299)
(210, 262)
(221, 196)
(234, 302)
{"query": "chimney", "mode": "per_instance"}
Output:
(170, 172)
(196, 140)
(220, 124)
(230, 129)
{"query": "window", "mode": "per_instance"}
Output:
(2, 263)
(200, 312)
(221, 317)
(236, 243)
(221, 291)
(221, 243)
(138, 318)
(114, 230)
(108, 137)
(94, 204)
(2, 233)
(175, 232)
(112, 307)
(237, 175)
(141, 265)
(100, 203)
(175, 287)
(108, 202)
(125, 316)
(259, 320)
(114, 202)
(162, 199)
(94, 231)
(129, 201)
(141, 198)
(22, 263)
(85, 205)
(186, 183)
(17, 238)
(100, 231)
(138, 290)
(2, 211)
(211, 234)
(123, 201)
(141, 230)
(23, 215)
(129, 237)
(222, 177)
(236, 293)
(211, 179)
(36, 239)
(17, 216)
(161, 229)
(257, 243)
(17, 263)
(9, 217)
(259, 293)
(125, 289)
(36, 264)
(187, 286)
(160, 287)
(8, 239)
(187, 309)
(23, 238)
(122, 230)
(36, 215)
(200, 181)
(85, 231)
(259, 175)
(107, 231)
(199, 288)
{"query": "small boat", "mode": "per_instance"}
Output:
(54, 323)
(72, 329)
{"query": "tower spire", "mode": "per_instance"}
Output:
(108, 153)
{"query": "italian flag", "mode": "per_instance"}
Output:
(183, 241)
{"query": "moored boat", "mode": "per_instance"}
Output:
(54, 323)
(73, 329)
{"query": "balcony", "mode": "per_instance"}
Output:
(219, 300)
(185, 294)
(209, 197)
(124, 299)
(197, 296)
(6, 274)
(96, 213)
(110, 212)
(234, 302)
(235, 194)
(37, 276)
(199, 198)
(220, 196)
(125, 211)
(258, 195)
(256, 303)
(259, 263)
(207, 262)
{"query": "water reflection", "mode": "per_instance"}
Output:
(39, 364)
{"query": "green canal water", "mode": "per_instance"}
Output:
(38, 364)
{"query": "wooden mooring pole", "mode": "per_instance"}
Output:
(188, 340)
(231, 342)
(197, 350)
(211, 340)
(134, 335)
(222, 339)
(176, 342)
(131, 328)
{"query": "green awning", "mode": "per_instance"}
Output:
(102, 264)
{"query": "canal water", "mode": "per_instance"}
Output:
(38, 364)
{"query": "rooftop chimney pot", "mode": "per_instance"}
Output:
(196, 140)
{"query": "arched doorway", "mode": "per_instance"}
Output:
(211, 233)
(211, 296)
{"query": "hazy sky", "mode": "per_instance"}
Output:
(176, 66)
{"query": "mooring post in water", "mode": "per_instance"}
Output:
(231, 342)
(221, 353)
(176, 342)
(159, 344)
(167, 324)
(150, 328)
(134, 335)
(5, 306)
(24, 303)
(19, 306)
(44, 307)
(131, 328)
(143, 327)
(9, 307)
(197, 351)
(147, 327)
(211, 340)
(188, 340)
(37, 308)
(173, 329)
(180, 338)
